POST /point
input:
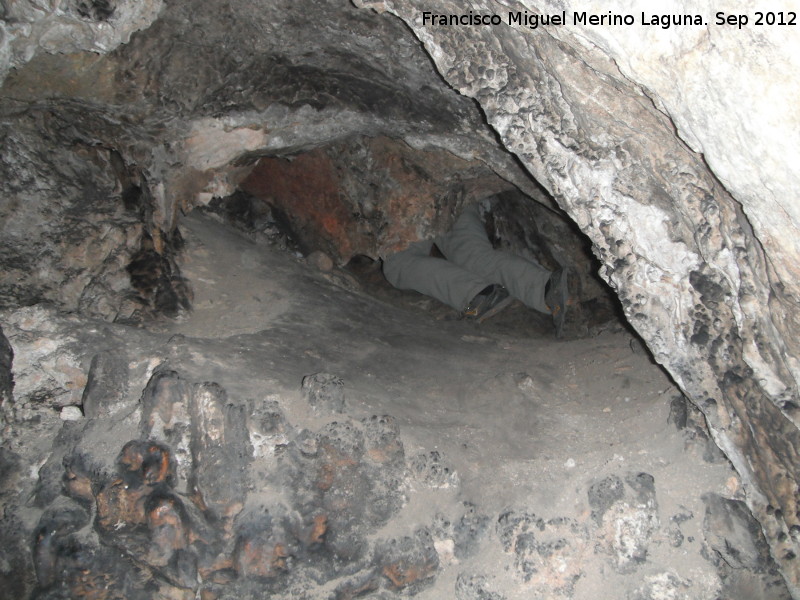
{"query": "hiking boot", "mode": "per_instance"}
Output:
(555, 295)
(488, 303)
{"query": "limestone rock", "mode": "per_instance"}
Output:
(475, 588)
(48, 371)
(321, 261)
(717, 56)
(324, 392)
(263, 549)
(627, 516)
(350, 480)
(17, 574)
(74, 565)
(106, 385)
(220, 452)
(166, 418)
(398, 194)
(409, 563)
(547, 552)
(70, 413)
(733, 535)
(664, 586)
(269, 431)
(681, 175)
(72, 243)
(432, 469)
(29, 27)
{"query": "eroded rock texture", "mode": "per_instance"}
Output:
(212, 497)
(176, 523)
(678, 171)
(30, 27)
(6, 381)
(103, 151)
(370, 196)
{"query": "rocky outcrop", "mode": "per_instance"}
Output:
(370, 196)
(201, 521)
(493, 478)
(219, 499)
(78, 225)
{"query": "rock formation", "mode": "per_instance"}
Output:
(660, 140)
(660, 172)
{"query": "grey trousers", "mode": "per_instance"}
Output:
(471, 264)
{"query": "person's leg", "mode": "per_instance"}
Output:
(414, 269)
(468, 246)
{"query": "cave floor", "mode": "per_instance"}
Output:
(527, 422)
(563, 446)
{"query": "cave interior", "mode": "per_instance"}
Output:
(210, 390)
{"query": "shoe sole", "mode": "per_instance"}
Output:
(495, 309)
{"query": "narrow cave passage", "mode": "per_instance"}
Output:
(352, 204)
(318, 429)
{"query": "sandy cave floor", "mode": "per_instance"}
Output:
(524, 424)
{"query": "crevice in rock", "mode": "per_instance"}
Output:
(157, 279)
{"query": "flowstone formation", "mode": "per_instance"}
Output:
(219, 498)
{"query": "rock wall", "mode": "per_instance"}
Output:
(77, 227)
(370, 196)
(174, 486)
(693, 252)
(30, 26)
(6, 379)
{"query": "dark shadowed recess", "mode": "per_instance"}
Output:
(325, 201)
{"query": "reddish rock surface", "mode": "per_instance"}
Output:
(395, 196)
